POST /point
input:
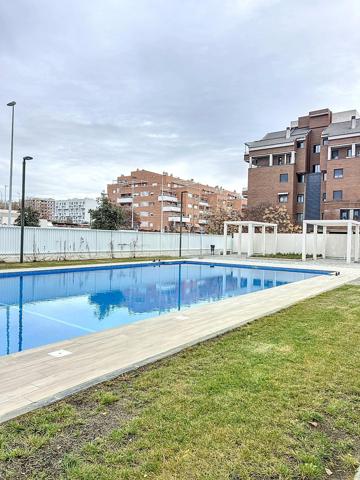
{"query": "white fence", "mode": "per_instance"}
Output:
(292, 243)
(67, 243)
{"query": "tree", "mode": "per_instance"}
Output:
(270, 214)
(281, 216)
(127, 219)
(108, 216)
(31, 217)
(216, 219)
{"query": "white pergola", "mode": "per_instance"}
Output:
(251, 229)
(350, 225)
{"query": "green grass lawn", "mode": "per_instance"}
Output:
(277, 399)
(59, 263)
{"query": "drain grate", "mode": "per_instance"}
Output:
(59, 353)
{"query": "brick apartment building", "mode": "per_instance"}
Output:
(312, 167)
(45, 206)
(155, 198)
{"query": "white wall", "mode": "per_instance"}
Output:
(60, 243)
(66, 243)
(292, 243)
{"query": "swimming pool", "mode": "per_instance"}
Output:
(42, 307)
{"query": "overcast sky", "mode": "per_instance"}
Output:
(106, 86)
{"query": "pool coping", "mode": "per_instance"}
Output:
(32, 379)
(108, 266)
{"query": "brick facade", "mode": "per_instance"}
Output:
(319, 144)
(155, 198)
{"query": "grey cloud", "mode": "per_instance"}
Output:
(107, 86)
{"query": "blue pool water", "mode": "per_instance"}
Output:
(39, 308)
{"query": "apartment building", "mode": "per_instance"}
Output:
(74, 210)
(45, 206)
(156, 197)
(312, 167)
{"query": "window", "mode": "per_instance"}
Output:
(349, 152)
(356, 214)
(284, 177)
(324, 197)
(316, 168)
(316, 149)
(324, 176)
(338, 173)
(144, 214)
(300, 198)
(344, 214)
(283, 197)
(334, 154)
(154, 184)
(144, 194)
(337, 195)
(325, 141)
(301, 177)
(299, 217)
(300, 144)
(190, 205)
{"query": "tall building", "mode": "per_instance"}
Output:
(45, 206)
(312, 167)
(74, 210)
(155, 198)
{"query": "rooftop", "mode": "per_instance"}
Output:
(275, 138)
(342, 128)
(341, 125)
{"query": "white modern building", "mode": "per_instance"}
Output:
(75, 210)
(4, 216)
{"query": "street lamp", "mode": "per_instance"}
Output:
(12, 105)
(181, 220)
(25, 159)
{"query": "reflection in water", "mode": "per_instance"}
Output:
(7, 330)
(21, 306)
(45, 308)
(106, 302)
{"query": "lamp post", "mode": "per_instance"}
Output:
(181, 220)
(25, 159)
(132, 204)
(12, 105)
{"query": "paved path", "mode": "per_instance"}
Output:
(34, 378)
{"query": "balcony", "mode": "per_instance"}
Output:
(171, 209)
(342, 152)
(177, 219)
(270, 160)
(123, 200)
(167, 198)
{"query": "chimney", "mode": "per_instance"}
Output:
(353, 121)
(288, 131)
